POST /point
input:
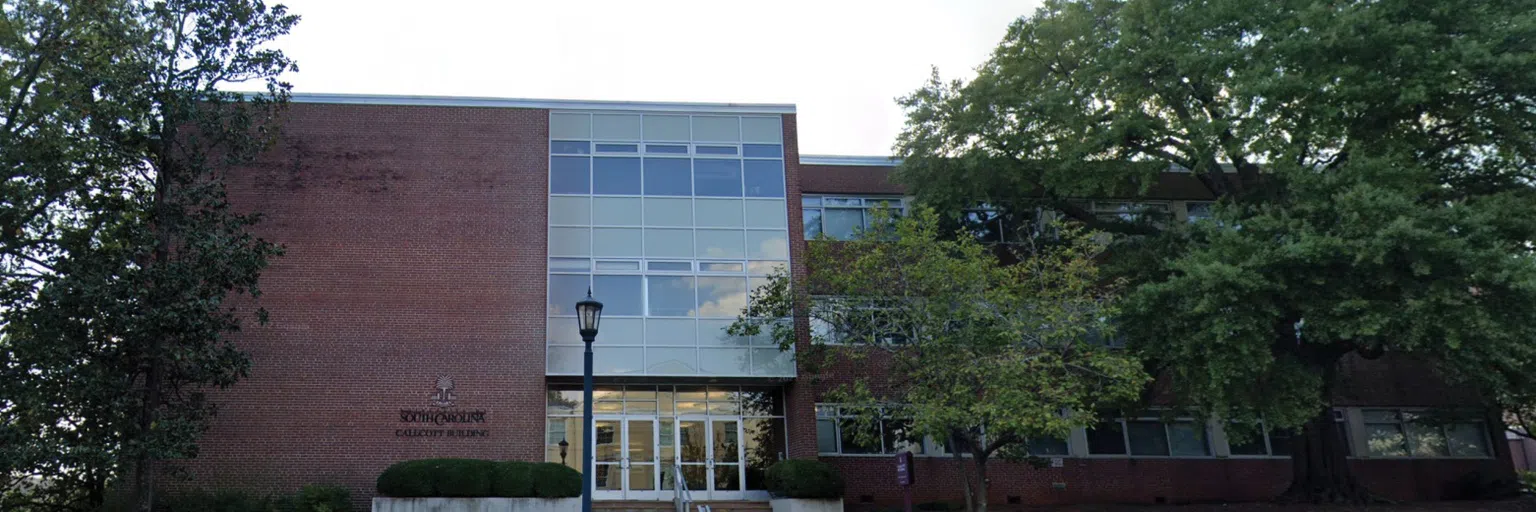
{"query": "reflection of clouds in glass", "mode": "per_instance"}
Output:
(768, 244)
(722, 296)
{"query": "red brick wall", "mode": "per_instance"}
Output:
(415, 249)
(848, 179)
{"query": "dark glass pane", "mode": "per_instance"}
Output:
(764, 178)
(1147, 438)
(621, 294)
(852, 442)
(898, 436)
(764, 446)
(570, 147)
(666, 148)
(565, 290)
(1246, 439)
(826, 436)
(719, 178)
(1106, 438)
(761, 403)
(714, 150)
(671, 296)
(762, 150)
(812, 219)
(616, 176)
(1280, 442)
(1047, 447)
(570, 175)
(727, 477)
(667, 177)
(617, 148)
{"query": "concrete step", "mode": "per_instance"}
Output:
(666, 506)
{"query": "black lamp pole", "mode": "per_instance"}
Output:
(589, 313)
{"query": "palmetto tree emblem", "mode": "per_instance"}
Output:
(444, 396)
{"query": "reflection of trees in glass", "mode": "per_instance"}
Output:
(765, 443)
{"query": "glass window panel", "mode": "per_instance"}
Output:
(769, 245)
(570, 147)
(765, 443)
(852, 442)
(724, 361)
(842, 223)
(616, 331)
(616, 176)
(1385, 440)
(761, 402)
(1106, 438)
(842, 201)
(764, 178)
(711, 266)
(761, 129)
(1467, 440)
(716, 128)
(765, 267)
(671, 149)
(578, 264)
(564, 360)
(616, 211)
(725, 213)
(564, 125)
(1187, 439)
(618, 265)
(661, 127)
(565, 290)
(1380, 416)
(1048, 447)
(671, 295)
(664, 406)
(811, 217)
(762, 150)
(617, 242)
(563, 401)
(1280, 442)
(712, 332)
(562, 330)
(667, 177)
(1426, 440)
(772, 362)
(1246, 439)
(719, 178)
(616, 127)
(668, 212)
(714, 150)
(618, 148)
(810, 201)
(570, 175)
(570, 242)
(671, 361)
(691, 394)
(570, 210)
(670, 331)
(617, 360)
(640, 407)
(668, 243)
(670, 266)
(722, 297)
(621, 295)
(766, 214)
(720, 244)
(1147, 438)
(826, 435)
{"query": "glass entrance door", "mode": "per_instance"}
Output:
(626, 459)
(709, 453)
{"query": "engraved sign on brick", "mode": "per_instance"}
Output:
(442, 398)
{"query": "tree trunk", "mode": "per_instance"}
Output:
(1320, 471)
(981, 483)
(965, 472)
(154, 375)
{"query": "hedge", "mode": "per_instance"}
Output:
(804, 479)
(474, 478)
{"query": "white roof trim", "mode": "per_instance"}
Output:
(876, 161)
(471, 101)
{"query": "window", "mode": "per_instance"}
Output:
(720, 178)
(1149, 437)
(1257, 440)
(1416, 433)
(1197, 211)
(1128, 212)
(837, 432)
(843, 217)
(616, 176)
(840, 320)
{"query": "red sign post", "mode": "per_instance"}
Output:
(905, 477)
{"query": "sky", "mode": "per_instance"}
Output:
(842, 63)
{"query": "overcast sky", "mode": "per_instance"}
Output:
(842, 62)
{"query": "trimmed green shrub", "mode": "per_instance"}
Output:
(552, 480)
(323, 498)
(474, 478)
(224, 500)
(512, 479)
(804, 479)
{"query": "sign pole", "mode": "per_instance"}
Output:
(905, 478)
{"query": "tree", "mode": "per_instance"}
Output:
(119, 273)
(1373, 162)
(968, 349)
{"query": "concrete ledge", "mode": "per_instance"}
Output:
(795, 505)
(477, 505)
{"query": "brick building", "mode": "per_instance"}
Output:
(435, 247)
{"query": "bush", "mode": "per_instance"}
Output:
(805, 479)
(551, 480)
(218, 501)
(474, 478)
(323, 498)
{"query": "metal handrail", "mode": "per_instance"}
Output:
(681, 496)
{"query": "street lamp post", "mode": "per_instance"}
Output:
(588, 312)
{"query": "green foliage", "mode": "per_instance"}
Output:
(1373, 162)
(118, 250)
(973, 344)
(551, 480)
(222, 501)
(804, 479)
(323, 498)
(1528, 482)
(474, 478)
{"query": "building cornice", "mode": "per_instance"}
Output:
(854, 160)
(472, 101)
